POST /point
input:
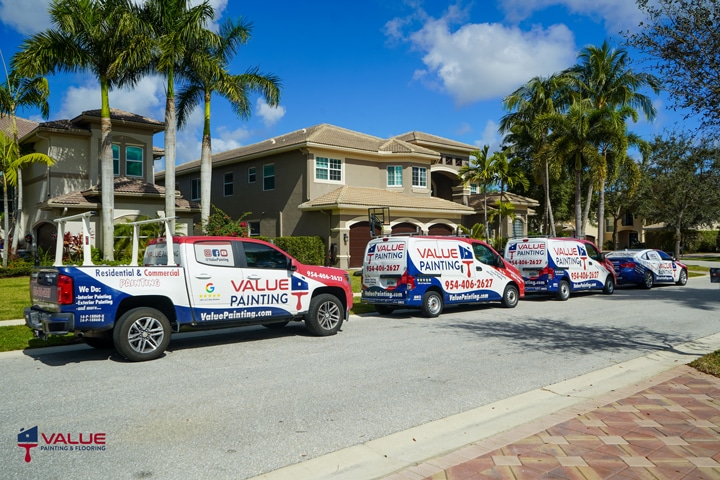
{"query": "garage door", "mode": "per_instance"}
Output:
(440, 229)
(359, 238)
(404, 228)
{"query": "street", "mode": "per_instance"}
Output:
(242, 402)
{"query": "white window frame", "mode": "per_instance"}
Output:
(333, 167)
(116, 159)
(419, 177)
(394, 178)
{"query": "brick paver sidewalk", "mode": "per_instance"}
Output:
(669, 430)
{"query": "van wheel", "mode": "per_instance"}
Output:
(510, 297)
(325, 316)
(383, 309)
(563, 292)
(609, 286)
(682, 279)
(648, 280)
(142, 334)
(432, 304)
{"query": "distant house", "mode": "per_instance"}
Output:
(73, 184)
(321, 180)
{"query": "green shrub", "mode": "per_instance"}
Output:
(308, 250)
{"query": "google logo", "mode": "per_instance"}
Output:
(209, 288)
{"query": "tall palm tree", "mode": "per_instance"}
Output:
(102, 37)
(480, 170)
(204, 73)
(11, 163)
(175, 25)
(603, 75)
(21, 92)
(539, 96)
(509, 174)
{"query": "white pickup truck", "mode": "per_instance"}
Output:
(199, 282)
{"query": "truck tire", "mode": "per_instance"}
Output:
(432, 304)
(648, 280)
(563, 292)
(510, 297)
(325, 316)
(142, 334)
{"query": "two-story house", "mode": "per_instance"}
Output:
(73, 186)
(323, 179)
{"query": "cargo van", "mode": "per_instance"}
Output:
(431, 272)
(560, 266)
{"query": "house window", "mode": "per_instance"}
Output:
(134, 161)
(269, 177)
(517, 228)
(474, 188)
(228, 184)
(328, 169)
(394, 176)
(252, 174)
(253, 229)
(419, 177)
(195, 189)
(608, 224)
(116, 160)
(628, 220)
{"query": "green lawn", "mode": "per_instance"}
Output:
(15, 293)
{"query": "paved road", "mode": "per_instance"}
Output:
(234, 404)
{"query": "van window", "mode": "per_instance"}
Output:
(483, 254)
(215, 253)
(592, 252)
(263, 256)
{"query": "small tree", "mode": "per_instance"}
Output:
(220, 224)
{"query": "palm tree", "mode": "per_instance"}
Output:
(21, 92)
(509, 174)
(204, 73)
(480, 170)
(603, 75)
(175, 25)
(11, 163)
(107, 39)
(539, 96)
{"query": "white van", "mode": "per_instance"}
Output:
(429, 272)
(560, 265)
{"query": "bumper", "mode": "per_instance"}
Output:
(49, 323)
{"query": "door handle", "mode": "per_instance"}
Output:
(203, 276)
(253, 277)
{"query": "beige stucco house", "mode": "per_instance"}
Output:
(72, 185)
(321, 181)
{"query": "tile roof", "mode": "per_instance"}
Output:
(426, 138)
(318, 136)
(24, 126)
(476, 200)
(361, 197)
(91, 197)
(120, 115)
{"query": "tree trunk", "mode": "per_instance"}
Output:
(678, 240)
(170, 147)
(17, 218)
(6, 226)
(548, 204)
(586, 211)
(578, 201)
(107, 178)
(601, 216)
(205, 166)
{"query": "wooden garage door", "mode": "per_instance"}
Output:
(404, 228)
(359, 238)
(440, 229)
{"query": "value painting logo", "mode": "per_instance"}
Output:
(67, 442)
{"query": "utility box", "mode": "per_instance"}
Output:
(715, 275)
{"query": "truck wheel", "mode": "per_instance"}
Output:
(563, 292)
(142, 334)
(325, 316)
(510, 297)
(609, 286)
(682, 279)
(383, 309)
(648, 280)
(432, 304)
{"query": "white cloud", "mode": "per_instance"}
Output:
(481, 61)
(26, 16)
(270, 115)
(618, 15)
(490, 137)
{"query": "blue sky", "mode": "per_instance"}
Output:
(381, 67)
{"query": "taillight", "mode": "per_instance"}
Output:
(408, 280)
(627, 265)
(65, 290)
(547, 271)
